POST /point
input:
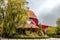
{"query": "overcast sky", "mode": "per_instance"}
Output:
(47, 11)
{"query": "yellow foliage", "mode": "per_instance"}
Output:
(51, 30)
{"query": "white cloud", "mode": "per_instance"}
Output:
(43, 8)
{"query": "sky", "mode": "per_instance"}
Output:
(47, 11)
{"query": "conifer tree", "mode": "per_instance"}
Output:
(58, 26)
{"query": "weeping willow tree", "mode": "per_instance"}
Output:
(16, 14)
(1, 1)
(1, 14)
(1, 11)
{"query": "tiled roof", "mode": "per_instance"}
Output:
(31, 14)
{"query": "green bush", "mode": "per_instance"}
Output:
(51, 32)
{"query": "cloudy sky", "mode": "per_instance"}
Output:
(47, 11)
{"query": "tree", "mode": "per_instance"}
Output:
(1, 16)
(16, 14)
(1, 1)
(1, 11)
(58, 26)
(51, 31)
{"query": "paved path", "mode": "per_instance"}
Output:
(33, 39)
